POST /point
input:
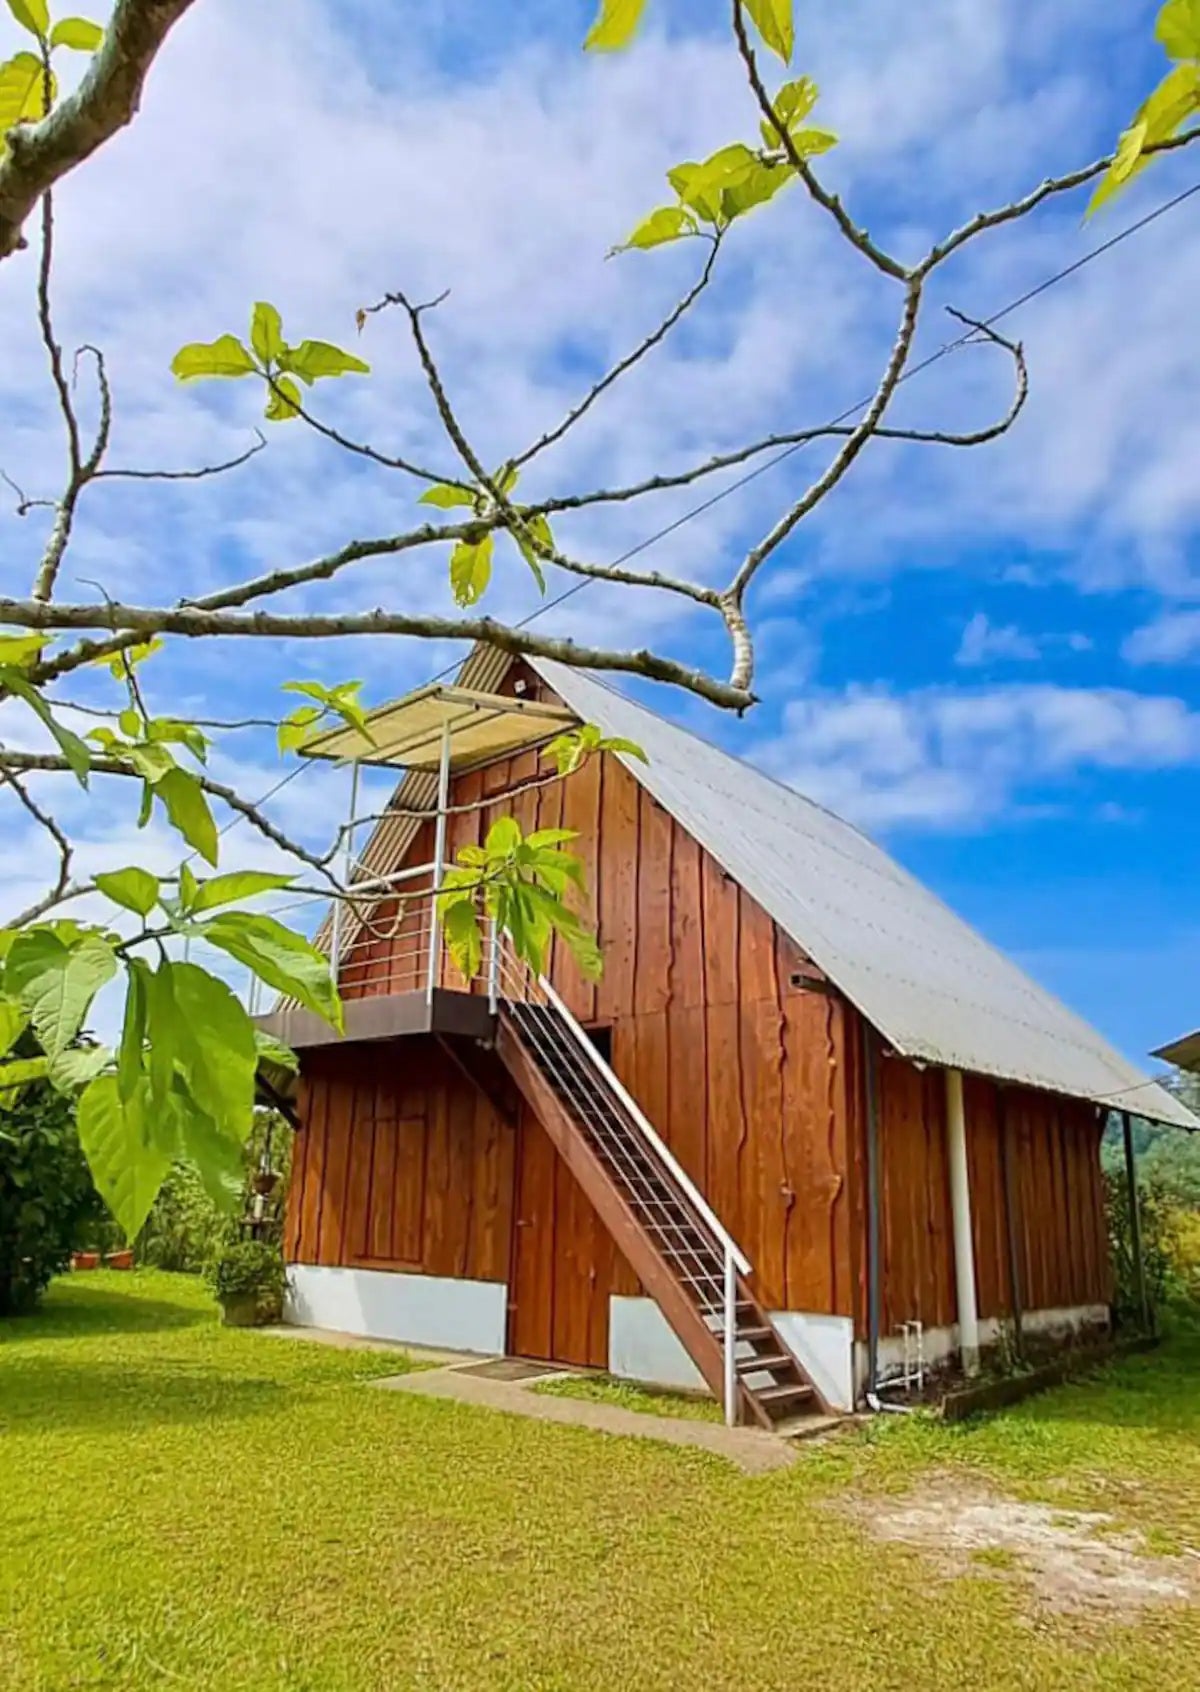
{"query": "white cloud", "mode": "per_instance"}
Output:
(1172, 638)
(984, 642)
(947, 759)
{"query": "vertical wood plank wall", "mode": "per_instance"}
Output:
(1053, 1145)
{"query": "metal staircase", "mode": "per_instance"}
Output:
(660, 1222)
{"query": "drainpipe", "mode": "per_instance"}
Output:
(874, 1236)
(960, 1209)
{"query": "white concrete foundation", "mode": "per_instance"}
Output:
(642, 1347)
(416, 1309)
(941, 1344)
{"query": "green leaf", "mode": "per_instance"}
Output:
(447, 495)
(152, 762)
(506, 479)
(271, 1050)
(33, 15)
(217, 1156)
(266, 332)
(281, 958)
(701, 186)
(1175, 99)
(74, 750)
(131, 656)
(615, 24)
(792, 104)
(763, 182)
(79, 33)
(22, 87)
(129, 1152)
(173, 731)
(283, 401)
(75, 1067)
(464, 939)
(809, 142)
(189, 888)
(238, 884)
(295, 729)
(12, 1021)
(313, 359)
(668, 223)
(1178, 29)
(213, 1041)
(188, 810)
(503, 837)
(226, 356)
(773, 20)
(56, 982)
(543, 837)
(133, 1031)
(19, 651)
(19, 1073)
(471, 569)
(134, 888)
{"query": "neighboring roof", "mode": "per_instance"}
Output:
(410, 732)
(936, 990)
(1184, 1053)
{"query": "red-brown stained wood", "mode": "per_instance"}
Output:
(618, 926)
(581, 797)
(652, 935)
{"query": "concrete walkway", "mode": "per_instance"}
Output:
(754, 1451)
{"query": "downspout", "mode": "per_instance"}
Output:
(960, 1212)
(1014, 1256)
(874, 1251)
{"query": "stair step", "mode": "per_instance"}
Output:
(753, 1334)
(769, 1365)
(792, 1392)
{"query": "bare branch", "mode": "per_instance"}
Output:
(140, 622)
(1021, 208)
(360, 448)
(106, 100)
(51, 762)
(197, 722)
(184, 475)
(24, 504)
(63, 845)
(829, 202)
(625, 364)
(733, 599)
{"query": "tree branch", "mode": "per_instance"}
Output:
(138, 622)
(625, 364)
(196, 475)
(828, 202)
(60, 840)
(106, 100)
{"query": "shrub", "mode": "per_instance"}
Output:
(250, 1271)
(48, 1204)
(185, 1230)
(1158, 1212)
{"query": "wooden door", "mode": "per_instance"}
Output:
(563, 1260)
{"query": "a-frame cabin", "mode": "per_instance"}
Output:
(806, 1120)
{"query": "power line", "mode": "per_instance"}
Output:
(787, 452)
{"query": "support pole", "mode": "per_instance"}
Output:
(960, 1208)
(730, 1337)
(1135, 1222)
(335, 945)
(439, 855)
(874, 1232)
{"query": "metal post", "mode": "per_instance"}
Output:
(1135, 1222)
(731, 1404)
(335, 944)
(874, 1235)
(439, 853)
(960, 1211)
(1010, 1217)
(494, 968)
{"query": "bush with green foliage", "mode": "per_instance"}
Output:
(47, 1200)
(1158, 1213)
(250, 1269)
(185, 1229)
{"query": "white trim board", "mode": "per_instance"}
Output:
(387, 1304)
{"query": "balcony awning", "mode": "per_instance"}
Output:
(409, 732)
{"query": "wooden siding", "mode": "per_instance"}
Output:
(401, 1163)
(1053, 1149)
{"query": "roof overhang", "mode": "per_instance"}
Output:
(1184, 1053)
(410, 732)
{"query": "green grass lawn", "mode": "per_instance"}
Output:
(185, 1505)
(623, 1395)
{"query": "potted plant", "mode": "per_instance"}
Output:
(249, 1279)
(85, 1260)
(122, 1259)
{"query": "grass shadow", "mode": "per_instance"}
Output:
(55, 1393)
(84, 1314)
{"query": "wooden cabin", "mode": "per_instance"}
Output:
(806, 1126)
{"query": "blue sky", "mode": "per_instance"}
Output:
(989, 659)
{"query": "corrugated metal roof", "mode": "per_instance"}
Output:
(1184, 1053)
(932, 986)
